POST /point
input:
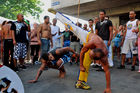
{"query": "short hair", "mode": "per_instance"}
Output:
(19, 14)
(45, 17)
(4, 22)
(103, 11)
(54, 18)
(95, 17)
(79, 24)
(45, 56)
(91, 20)
(132, 11)
(10, 22)
(98, 50)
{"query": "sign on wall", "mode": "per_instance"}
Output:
(55, 3)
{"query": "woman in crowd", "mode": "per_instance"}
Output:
(34, 44)
(117, 40)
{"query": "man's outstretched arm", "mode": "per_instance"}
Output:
(40, 70)
(104, 63)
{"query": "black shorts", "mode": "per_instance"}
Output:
(35, 50)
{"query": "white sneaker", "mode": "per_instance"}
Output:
(111, 65)
(92, 64)
(37, 62)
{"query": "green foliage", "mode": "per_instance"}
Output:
(10, 8)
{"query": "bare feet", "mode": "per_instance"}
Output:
(107, 91)
(62, 74)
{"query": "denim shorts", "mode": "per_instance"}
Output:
(65, 59)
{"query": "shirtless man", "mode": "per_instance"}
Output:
(97, 50)
(46, 37)
(8, 44)
(1, 38)
(56, 59)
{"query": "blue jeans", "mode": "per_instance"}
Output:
(109, 48)
(66, 43)
(45, 46)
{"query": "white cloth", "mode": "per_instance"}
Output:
(131, 25)
(79, 32)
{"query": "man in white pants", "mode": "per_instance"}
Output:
(129, 40)
(55, 34)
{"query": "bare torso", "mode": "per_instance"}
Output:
(97, 42)
(7, 33)
(33, 33)
(62, 51)
(45, 31)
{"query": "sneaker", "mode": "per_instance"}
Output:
(77, 63)
(37, 63)
(111, 64)
(70, 63)
(96, 66)
(136, 64)
(133, 68)
(100, 69)
(82, 85)
(92, 64)
(16, 69)
(121, 67)
(23, 67)
(129, 63)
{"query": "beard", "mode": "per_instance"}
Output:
(132, 18)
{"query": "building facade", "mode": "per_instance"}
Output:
(117, 10)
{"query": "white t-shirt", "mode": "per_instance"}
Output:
(131, 25)
(55, 29)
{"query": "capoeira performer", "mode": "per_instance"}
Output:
(55, 59)
(94, 48)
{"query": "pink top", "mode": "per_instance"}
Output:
(34, 39)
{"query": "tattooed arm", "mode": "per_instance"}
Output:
(39, 71)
